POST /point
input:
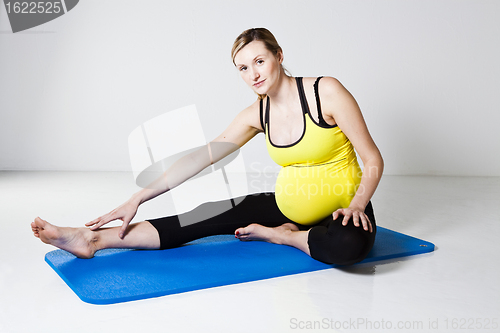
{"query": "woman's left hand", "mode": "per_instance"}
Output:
(357, 216)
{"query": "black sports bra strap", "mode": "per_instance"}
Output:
(322, 121)
(262, 115)
(266, 121)
(302, 95)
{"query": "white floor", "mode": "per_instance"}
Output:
(456, 288)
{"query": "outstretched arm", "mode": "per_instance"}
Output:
(239, 132)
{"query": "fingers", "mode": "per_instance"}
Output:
(123, 229)
(100, 221)
(344, 212)
(358, 218)
(365, 221)
(97, 223)
(88, 224)
(346, 219)
(337, 213)
(355, 219)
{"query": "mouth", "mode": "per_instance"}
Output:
(258, 84)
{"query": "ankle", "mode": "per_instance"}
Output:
(282, 236)
(93, 239)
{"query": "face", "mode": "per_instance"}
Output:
(258, 66)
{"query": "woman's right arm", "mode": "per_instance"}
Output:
(243, 128)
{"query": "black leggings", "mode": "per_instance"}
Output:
(328, 240)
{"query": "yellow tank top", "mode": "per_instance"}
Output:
(320, 172)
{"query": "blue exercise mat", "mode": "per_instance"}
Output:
(117, 275)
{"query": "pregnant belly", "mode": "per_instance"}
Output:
(307, 195)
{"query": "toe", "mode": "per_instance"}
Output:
(242, 231)
(40, 223)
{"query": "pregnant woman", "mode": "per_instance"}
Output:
(321, 203)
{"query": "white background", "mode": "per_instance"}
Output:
(425, 73)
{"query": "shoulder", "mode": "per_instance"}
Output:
(243, 127)
(250, 116)
(334, 96)
(329, 85)
(323, 81)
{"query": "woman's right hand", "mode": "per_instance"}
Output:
(125, 212)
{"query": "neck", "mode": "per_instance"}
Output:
(284, 90)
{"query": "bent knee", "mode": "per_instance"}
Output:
(348, 255)
(345, 247)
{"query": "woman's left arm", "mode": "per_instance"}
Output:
(338, 103)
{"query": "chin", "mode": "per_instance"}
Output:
(260, 91)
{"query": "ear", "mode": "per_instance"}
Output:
(280, 56)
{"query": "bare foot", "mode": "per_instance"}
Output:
(78, 241)
(259, 232)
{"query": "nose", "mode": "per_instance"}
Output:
(254, 74)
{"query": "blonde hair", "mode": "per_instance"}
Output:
(262, 34)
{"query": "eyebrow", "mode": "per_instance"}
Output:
(260, 55)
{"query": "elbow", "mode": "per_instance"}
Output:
(374, 165)
(379, 164)
(381, 159)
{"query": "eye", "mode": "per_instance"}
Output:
(243, 68)
(260, 62)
